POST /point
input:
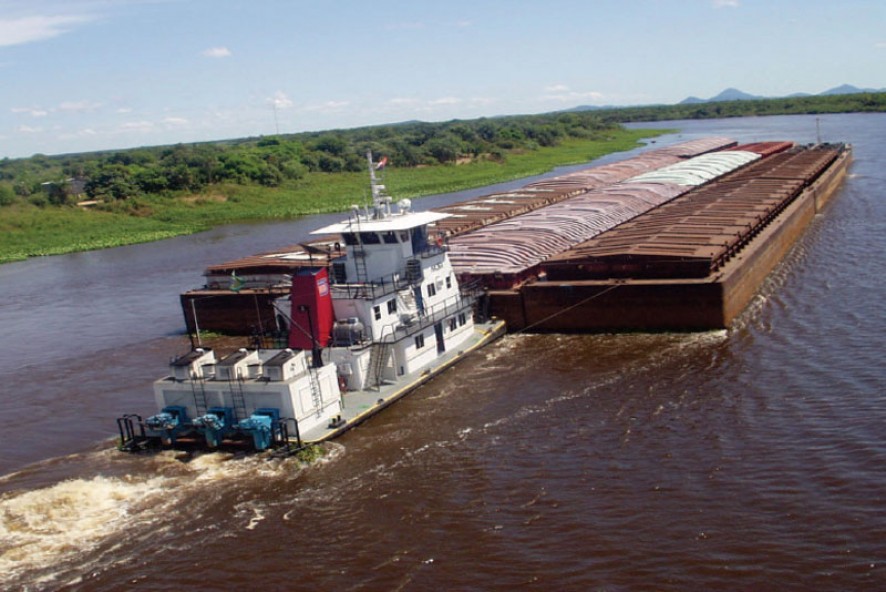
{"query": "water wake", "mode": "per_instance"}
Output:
(72, 526)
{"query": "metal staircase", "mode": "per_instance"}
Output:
(406, 306)
(378, 359)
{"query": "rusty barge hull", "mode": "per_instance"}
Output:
(670, 303)
(246, 312)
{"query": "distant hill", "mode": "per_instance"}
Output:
(848, 89)
(733, 94)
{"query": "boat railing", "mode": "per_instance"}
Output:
(432, 250)
(393, 332)
(432, 316)
(387, 284)
(371, 290)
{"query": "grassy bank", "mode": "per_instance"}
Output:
(28, 231)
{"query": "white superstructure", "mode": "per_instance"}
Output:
(383, 318)
(396, 300)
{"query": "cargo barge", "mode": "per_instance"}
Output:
(676, 238)
(693, 263)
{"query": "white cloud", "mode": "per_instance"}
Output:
(26, 129)
(124, 110)
(32, 111)
(83, 133)
(217, 52)
(445, 101)
(175, 121)
(482, 101)
(327, 107)
(726, 3)
(403, 106)
(79, 106)
(136, 126)
(280, 100)
(17, 31)
(880, 45)
(557, 88)
(562, 94)
(66, 107)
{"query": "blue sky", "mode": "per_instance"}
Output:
(81, 75)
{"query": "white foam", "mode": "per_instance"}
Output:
(51, 525)
(43, 531)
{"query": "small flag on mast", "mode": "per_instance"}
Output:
(381, 164)
(236, 282)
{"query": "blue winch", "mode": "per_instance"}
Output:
(171, 421)
(217, 422)
(261, 426)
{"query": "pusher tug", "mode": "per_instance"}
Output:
(364, 331)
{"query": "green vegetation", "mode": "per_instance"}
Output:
(146, 194)
(43, 220)
(310, 454)
(856, 103)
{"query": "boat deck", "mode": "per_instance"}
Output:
(361, 405)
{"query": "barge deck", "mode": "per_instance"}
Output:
(692, 264)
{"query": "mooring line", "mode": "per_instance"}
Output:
(567, 309)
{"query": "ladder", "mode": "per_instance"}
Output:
(316, 395)
(236, 385)
(360, 264)
(198, 387)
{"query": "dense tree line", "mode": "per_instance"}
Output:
(273, 161)
(856, 103)
(277, 160)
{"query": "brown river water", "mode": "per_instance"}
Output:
(747, 459)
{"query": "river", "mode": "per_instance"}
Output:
(747, 459)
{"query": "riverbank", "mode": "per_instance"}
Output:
(30, 231)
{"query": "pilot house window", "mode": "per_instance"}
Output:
(369, 238)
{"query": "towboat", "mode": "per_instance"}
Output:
(364, 329)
